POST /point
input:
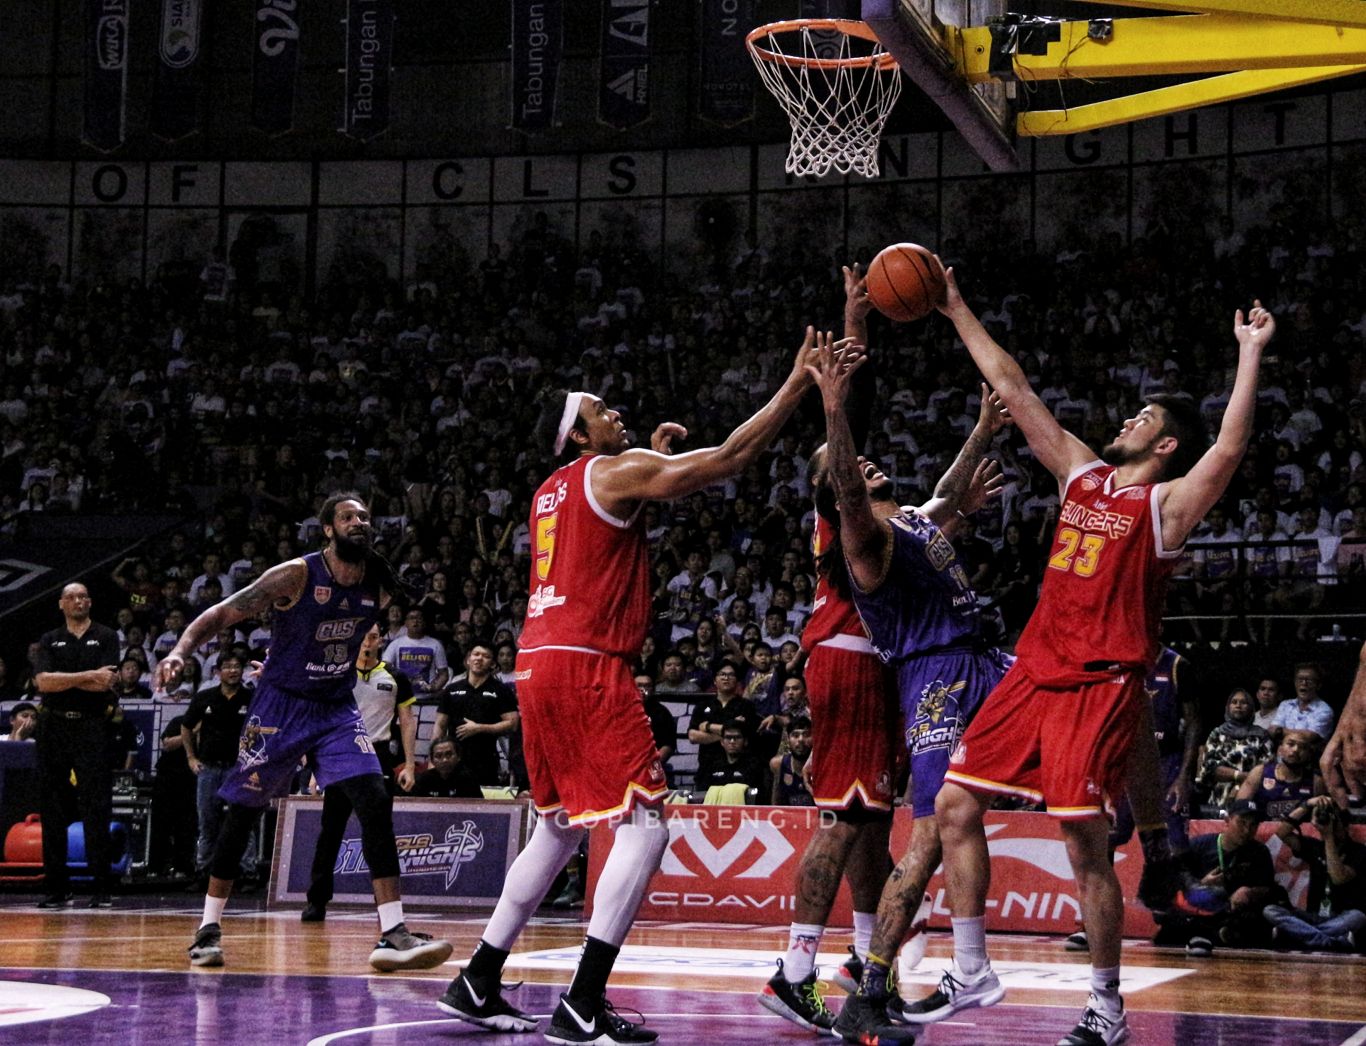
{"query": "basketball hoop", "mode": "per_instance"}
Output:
(837, 85)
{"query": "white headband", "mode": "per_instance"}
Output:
(567, 419)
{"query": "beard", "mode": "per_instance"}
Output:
(1115, 455)
(351, 549)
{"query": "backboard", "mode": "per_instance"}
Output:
(914, 32)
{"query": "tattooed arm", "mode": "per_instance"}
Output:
(282, 584)
(965, 487)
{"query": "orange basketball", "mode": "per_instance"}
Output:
(905, 282)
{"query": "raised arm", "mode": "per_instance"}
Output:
(1056, 449)
(970, 481)
(282, 584)
(647, 475)
(858, 408)
(864, 538)
(1184, 501)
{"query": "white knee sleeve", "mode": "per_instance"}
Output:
(637, 849)
(529, 878)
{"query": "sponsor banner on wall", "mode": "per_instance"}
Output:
(369, 66)
(739, 865)
(624, 78)
(452, 853)
(274, 65)
(106, 71)
(727, 80)
(177, 88)
(537, 47)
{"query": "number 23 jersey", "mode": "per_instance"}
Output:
(1105, 583)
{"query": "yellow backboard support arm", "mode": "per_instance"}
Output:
(1165, 100)
(1345, 13)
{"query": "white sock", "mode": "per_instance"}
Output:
(803, 939)
(390, 915)
(213, 910)
(969, 944)
(863, 933)
(1105, 988)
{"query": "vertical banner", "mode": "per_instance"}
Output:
(106, 72)
(369, 62)
(537, 46)
(275, 62)
(624, 83)
(176, 91)
(727, 79)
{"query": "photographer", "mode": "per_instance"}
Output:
(1336, 904)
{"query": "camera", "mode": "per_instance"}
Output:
(1324, 813)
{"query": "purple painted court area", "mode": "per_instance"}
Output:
(205, 1008)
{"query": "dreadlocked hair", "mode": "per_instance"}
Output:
(830, 563)
(378, 570)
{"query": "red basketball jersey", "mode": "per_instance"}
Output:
(1105, 584)
(831, 613)
(590, 572)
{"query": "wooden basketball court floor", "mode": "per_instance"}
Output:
(122, 976)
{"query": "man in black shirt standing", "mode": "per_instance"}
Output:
(476, 711)
(219, 713)
(74, 669)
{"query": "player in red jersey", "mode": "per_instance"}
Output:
(1060, 726)
(589, 751)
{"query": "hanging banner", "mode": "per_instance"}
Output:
(275, 63)
(727, 74)
(624, 82)
(177, 87)
(106, 72)
(537, 46)
(369, 62)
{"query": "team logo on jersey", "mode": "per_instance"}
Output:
(321, 593)
(251, 749)
(337, 631)
(932, 701)
(1090, 481)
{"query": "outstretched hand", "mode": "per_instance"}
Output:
(665, 434)
(994, 414)
(856, 302)
(987, 483)
(1257, 330)
(831, 365)
(953, 298)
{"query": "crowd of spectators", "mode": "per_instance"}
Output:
(242, 408)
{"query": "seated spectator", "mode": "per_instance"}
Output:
(420, 657)
(23, 720)
(1233, 749)
(663, 725)
(714, 712)
(735, 765)
(1268, 701)
(447, 778)
(1278, 786)
(1334, 915)
(127, 687)
(673, 678)
(789, 780)
(1308, 711)
(1232, 880)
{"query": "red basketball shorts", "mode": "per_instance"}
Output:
(1067, 748)
(586, 737)
(855, 728)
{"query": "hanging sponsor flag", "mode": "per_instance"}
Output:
(176, 89)
(537, 46)
(727, 73)
(624, 83)
(369, 61)
(275, 62)
(106, 72)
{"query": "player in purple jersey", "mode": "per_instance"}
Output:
(303, 706)
(921, 614)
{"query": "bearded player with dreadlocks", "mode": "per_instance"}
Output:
(324, 604)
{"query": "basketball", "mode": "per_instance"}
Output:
(905, 282)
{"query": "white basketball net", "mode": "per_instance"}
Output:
(838, 90)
